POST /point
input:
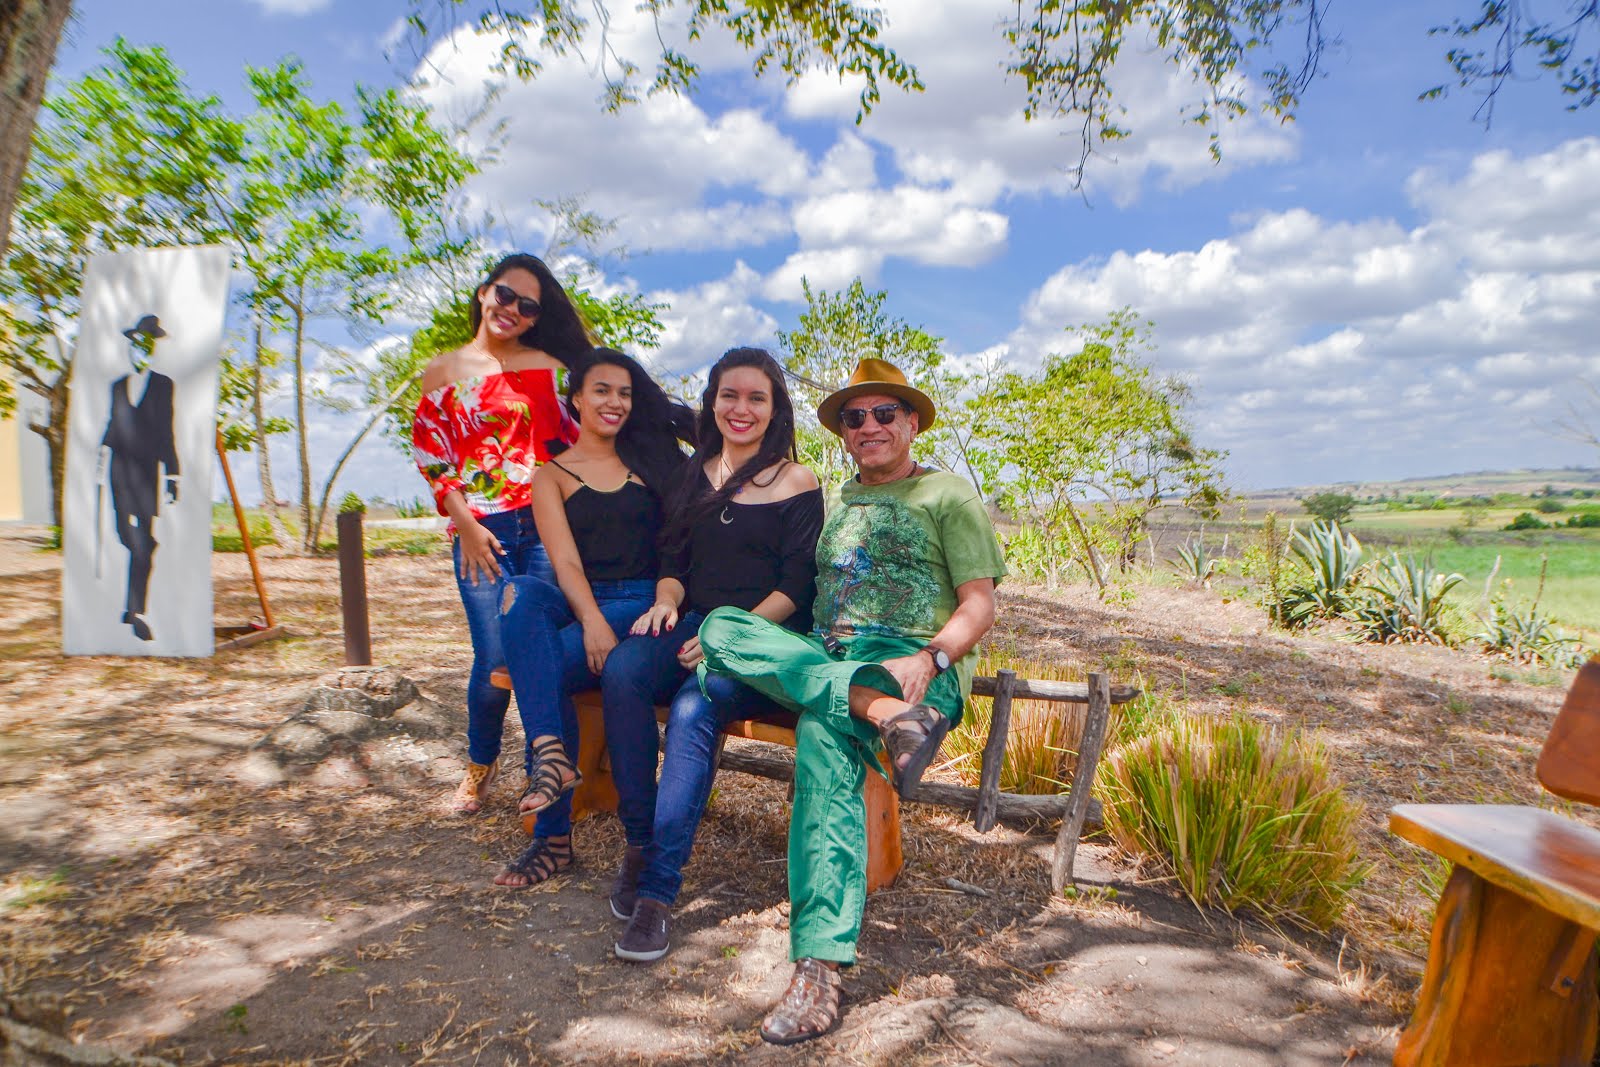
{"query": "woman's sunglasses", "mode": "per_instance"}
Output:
(883, 414)
(505, 296)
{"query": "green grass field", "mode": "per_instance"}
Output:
(1572, 578)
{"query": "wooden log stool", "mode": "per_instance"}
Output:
(1511, 974)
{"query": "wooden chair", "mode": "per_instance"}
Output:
(1511, 974)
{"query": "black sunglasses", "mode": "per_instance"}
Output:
(884, 414)
(505, 296)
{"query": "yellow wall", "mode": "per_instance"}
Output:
(10, 471)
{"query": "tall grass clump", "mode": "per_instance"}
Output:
(1246, 815)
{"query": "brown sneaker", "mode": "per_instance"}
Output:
(625, 886)
(645, 938)
(809, 1008)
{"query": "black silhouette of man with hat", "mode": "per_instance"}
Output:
(139, 450)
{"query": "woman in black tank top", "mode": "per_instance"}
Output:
(741, 531)
(598, 509)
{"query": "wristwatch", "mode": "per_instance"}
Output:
(941, 658)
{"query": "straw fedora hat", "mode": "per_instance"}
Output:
(876, 377)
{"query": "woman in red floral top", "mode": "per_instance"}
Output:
(489, 414)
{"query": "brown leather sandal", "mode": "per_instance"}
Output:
(474, 788)
(916, 732)
(809, 1008)
(548, 781)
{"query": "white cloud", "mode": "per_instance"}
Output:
(826, 268)
(708, 319)
(1465, 328)
(967, 128)
(928, 225)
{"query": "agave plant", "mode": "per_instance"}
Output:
(1405, 602)
(1193, 564)
(1527, 637)
(1333, 561)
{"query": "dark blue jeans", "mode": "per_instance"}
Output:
(524, 554)
(664, 818)
(546, 658)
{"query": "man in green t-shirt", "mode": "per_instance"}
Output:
(906, 571)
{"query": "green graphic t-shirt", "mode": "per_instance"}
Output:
(891, 556)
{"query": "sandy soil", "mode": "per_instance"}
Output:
(170, 903)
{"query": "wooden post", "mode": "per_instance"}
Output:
(1094, 736)
(244, 535)
(994, 752)
(353, 590)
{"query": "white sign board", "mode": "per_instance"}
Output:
(136, 573)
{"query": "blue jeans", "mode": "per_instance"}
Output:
(664, 818)
(524, 554)
(548, 663)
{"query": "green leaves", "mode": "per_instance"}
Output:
(1332, 561)
(1404, 602)
(1092, 444)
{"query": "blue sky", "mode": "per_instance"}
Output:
(1382, 289)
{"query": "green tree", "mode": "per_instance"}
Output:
(1061, 55)
(124, 157)
(1329, 506)
(835, 331)
(1092, 445)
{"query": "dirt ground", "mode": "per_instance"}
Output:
(157, 896)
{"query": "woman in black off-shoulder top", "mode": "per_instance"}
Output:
(741, 531)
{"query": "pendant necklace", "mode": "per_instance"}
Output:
(726, 472)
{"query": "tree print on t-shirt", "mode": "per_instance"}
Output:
(873, 575)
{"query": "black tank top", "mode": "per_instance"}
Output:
(615, 532)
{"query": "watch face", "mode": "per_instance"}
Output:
(941, 659)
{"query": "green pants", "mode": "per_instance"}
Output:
(833, 751)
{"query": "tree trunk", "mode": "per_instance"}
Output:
(29, 33)
(1090, 554)
(307, 540)
(269, 492)
(54, 432)
(333, 475)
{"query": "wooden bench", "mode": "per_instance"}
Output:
(597, 792)
(1511, 974)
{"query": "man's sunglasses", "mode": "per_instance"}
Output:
(883, 414)
(505, 296)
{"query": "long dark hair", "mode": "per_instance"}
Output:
(559, 329)
(687, 505)
(648, 442)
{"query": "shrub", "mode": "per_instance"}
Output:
(1404, 603)
(1193, 564)
(1527, 637)
(415, 508)
(1526, 520)
(1333, 563)
(1246, 815)
(351, 502)
(1329, 507)
(1548, 506)
(1587, 521)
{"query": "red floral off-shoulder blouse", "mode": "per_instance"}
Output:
(486, 436)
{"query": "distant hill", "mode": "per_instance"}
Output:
(1469, 483)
